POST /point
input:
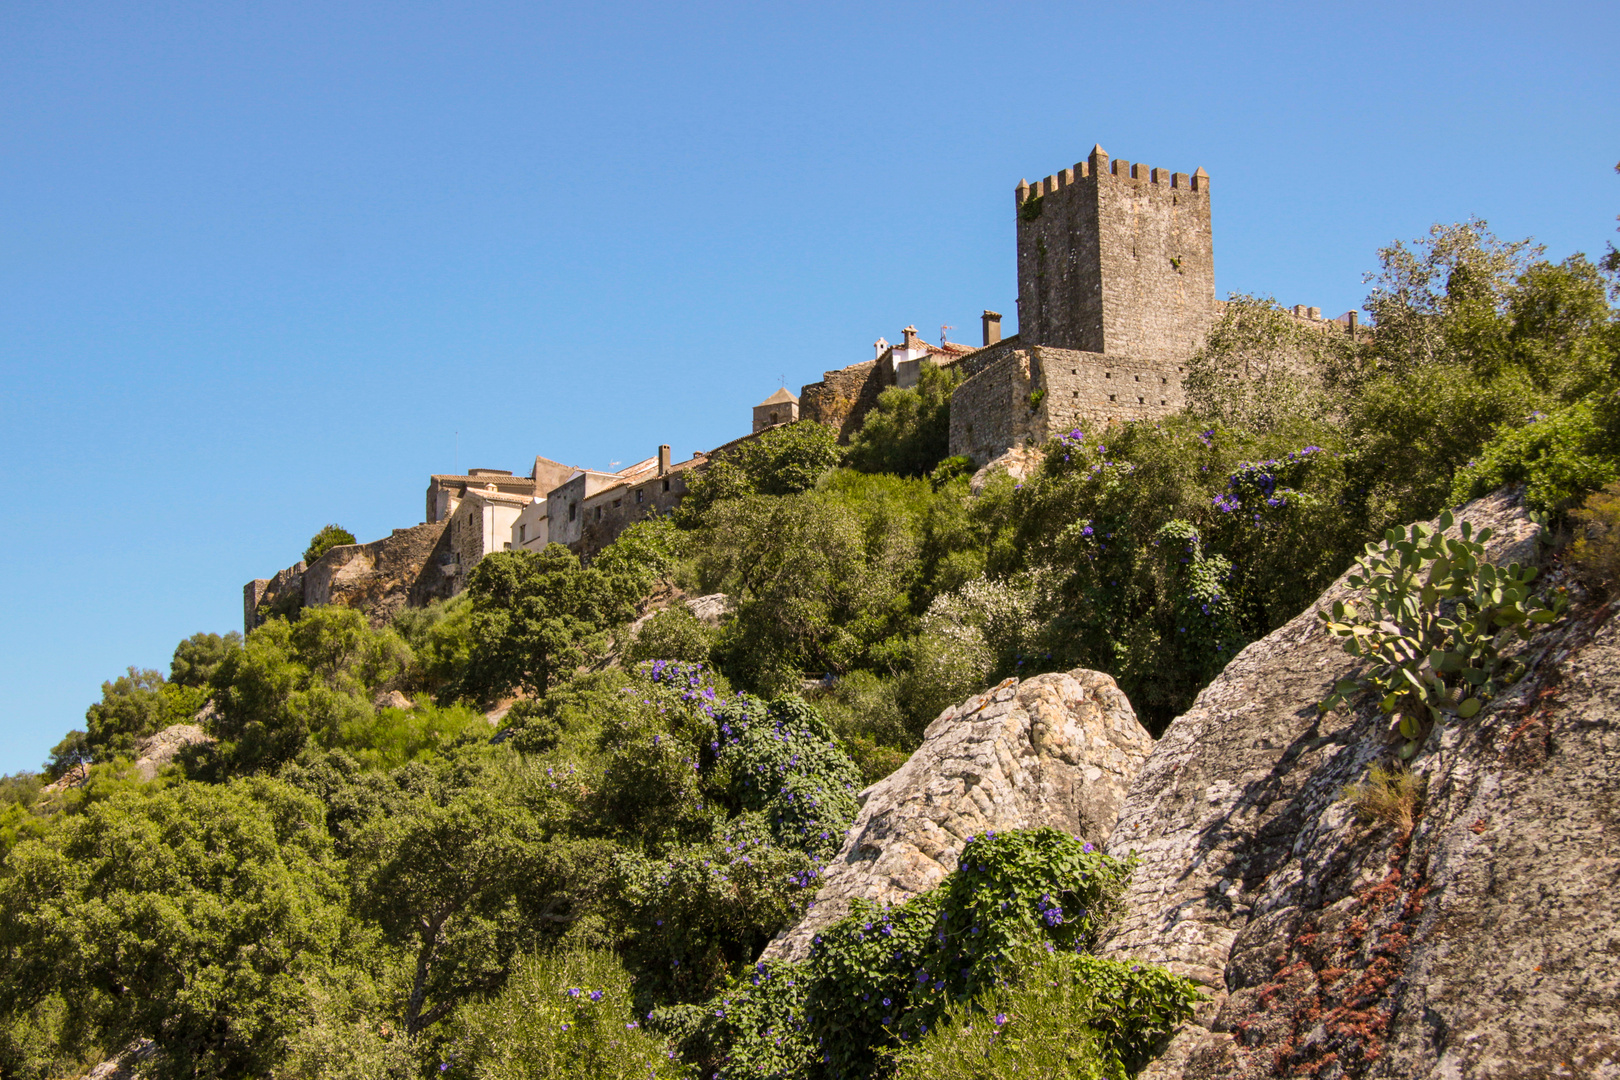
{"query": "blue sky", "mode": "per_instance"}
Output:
(264, 267)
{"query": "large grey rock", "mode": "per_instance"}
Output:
(1481, 944)
(156, 752)
(1057, 750)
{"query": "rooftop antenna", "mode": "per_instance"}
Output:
(942, 330)
(781, 380)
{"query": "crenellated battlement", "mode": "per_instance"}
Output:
(1099, 164)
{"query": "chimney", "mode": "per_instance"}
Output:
(663, 459)
(911, 341)
(881, 346)
(992, 327)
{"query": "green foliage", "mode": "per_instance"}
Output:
(390, 737)
(132, 707)
(1431, 662)
(1157, 555)
(199, 656)
(561, 1015)
(69, 754)
(1260, 368)
(329, 537)
(440, 639)
(882, 978)
(194, 915)
(464, 876)
(781, 461)
(1066, 1016)
(569, 720)
(909, 431)
(672, 633)
(644, 556)
(700, 912)
(292, 681)
(1559, 457)
(536, 616)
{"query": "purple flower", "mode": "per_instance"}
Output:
(1001, 1018)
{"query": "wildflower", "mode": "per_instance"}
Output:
(1001, 1018)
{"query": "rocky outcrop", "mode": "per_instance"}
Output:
(408, 568)
(1480, 943)
(156, 752)
(1057, 750)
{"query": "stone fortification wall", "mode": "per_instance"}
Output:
(407, 568)
(1116, 258)
(1093, 390)
(842, 399)
(991, 411)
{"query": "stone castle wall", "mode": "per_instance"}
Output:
(1116, 258)
(411, 567)
(1031, 395)
(843, 398)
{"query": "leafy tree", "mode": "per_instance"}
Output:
(463, 877)
(1260, 367)
(132, 706)
(672, 633)
(290, 681)
(536, 616)
(196, 916)
(440, 639)
(782, 461)
(909, 431)
(329, 537)
(643, 557)
(566, 1015)
(196, 658)
(67, 755)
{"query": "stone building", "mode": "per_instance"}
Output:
(1116, 291)
(842, 398)
(780, 408)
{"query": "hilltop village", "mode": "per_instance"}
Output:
(1116, 291)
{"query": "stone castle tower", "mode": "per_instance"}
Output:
(1116, 258)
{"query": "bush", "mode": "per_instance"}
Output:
(908, 433)
(328, 538)
(1064, 1016)
(1559, 457)
(566, 1014)
(134, 706)
(672, 633)
(883, 977)
(781, 461)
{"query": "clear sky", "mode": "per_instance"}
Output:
(268, 266)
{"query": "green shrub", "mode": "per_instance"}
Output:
(1065, 1016)
(1559, 457)
(884, 977)
(197, 657)
(388, 738)
(908, 432)
(672, 633)
(561, 1015)
(328, 538)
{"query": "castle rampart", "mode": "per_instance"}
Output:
(410, 567)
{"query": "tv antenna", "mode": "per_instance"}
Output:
(942, 330)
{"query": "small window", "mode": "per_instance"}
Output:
(1163, 402)
(598, 513)
(1077, 393)
(640, 495)
(1110, 397)
(616, 503)
(523, 534)
(470, 518)
(1076, 371)
(1108, 374)
(1141, 401)
(1164, 381)
(666, 485)
(573, 509)
(1139, 378)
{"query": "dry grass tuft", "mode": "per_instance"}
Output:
(1390, 795)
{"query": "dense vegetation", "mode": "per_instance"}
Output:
(338, 886)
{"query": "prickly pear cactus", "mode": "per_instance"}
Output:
(1437, 625)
